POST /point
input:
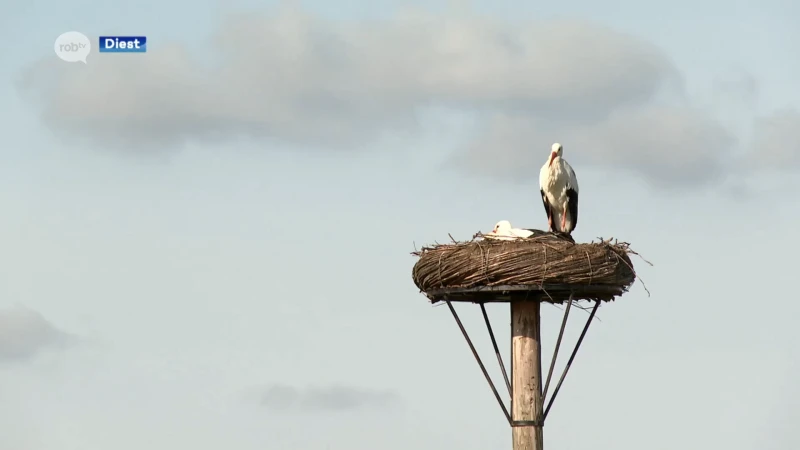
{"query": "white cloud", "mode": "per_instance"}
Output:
(298, 79)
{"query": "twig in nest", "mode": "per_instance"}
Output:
(584, 309)
(638, 277)
(577, 305)
(640, 257)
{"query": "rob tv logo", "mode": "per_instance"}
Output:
(123, 44)
(72, 46)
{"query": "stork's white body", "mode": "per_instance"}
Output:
(559, 188)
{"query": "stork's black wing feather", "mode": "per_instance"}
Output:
(572, 205)
(546, 204)
(547, 207)
(535, 231)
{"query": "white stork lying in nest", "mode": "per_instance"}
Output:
(559, 188)
(503, 231)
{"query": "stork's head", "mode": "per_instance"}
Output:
(502, 227)
(555, 152)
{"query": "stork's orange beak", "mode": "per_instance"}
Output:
(552, 157)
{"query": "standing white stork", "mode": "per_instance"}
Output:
(559, 187)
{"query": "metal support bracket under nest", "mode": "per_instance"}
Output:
(540, 421)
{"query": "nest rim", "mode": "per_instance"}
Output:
(484, 258)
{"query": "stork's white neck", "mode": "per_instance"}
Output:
(556, 163)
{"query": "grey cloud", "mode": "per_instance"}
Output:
(667, 146)
(776, 141)
(281, 397)
(340, 85)
(24, 333)
(323, 81)
(736, 88)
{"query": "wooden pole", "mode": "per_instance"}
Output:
(526, 373)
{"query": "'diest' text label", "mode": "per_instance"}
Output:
(123, 44)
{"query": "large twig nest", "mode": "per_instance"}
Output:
(545, 265)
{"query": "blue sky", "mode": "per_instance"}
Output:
(190, 231)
